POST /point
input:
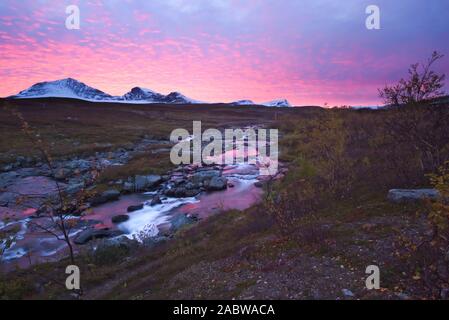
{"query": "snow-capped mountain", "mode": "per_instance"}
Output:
(242, 103)
(65, 88)
(178, 98)
(142, 94)
(277, 103)
(71, 88)
(274, 103)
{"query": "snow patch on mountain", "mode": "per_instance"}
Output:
(242, 103)
(142, 94)
(274, 103)
(277, 103)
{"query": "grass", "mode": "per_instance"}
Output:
(74, 127)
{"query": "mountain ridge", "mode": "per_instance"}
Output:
(72, 88)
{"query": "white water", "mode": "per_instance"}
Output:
(150, 217)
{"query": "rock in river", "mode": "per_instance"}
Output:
(120, 218)
(90, 234)
(135, 208)
(156, 200)
(217, 183)
(203, 176)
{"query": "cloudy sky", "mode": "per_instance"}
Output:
(307, 51)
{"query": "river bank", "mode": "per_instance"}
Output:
(135, 208)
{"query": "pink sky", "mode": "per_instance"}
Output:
(309, 52)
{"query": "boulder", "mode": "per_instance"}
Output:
(181, 192)
(90, 234)
(135, 208)
(217, 183)
(146, 182)
(411, 195)
(156, 200)
(120, 218)
(109, 195)
(203, 176)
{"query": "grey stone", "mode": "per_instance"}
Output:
(135, 208)
(202, 176)
(181, 192)
(89, 234)
(156, 200)
(147, 182)
(120, 218)
(411, 195)
(347, 293)
(217, 183)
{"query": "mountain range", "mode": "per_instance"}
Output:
(74, 89)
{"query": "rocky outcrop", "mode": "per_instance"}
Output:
(411, 195)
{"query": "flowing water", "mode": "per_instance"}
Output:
(32, 244)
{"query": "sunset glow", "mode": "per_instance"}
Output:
(309, 52)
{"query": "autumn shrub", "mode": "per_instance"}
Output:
(320, 172)
(427, 257)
